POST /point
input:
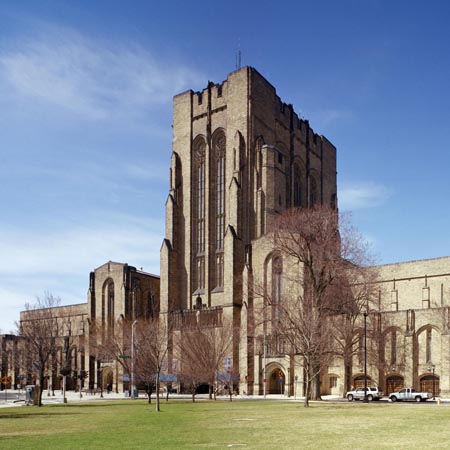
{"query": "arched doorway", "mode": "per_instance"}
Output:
(276, 380)
(107, 379)
(358, 381)
(428, 383)
(394, 383)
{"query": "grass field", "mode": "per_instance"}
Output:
(217, 425)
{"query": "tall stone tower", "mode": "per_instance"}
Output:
(240, 156)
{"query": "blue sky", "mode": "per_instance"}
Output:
(85, 121)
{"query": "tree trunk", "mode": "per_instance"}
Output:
(157, 409)
(149, 393)
(347, 376)
(307, 393)
(64, 389)
(315, 386)
(41, 385)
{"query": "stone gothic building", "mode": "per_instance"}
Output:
(240, 156)
(116, 292)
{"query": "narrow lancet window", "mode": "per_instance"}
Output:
(297, 186)
(199, 213)
(219, 145)
(277, 272)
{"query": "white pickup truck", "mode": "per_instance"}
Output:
(409, 394)
(358, 394)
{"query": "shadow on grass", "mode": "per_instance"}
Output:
(36, 414)
(100, 404)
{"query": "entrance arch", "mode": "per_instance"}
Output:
(107, 378)
(430, 384)
(394, 383)
(358, 381)
(276, 380)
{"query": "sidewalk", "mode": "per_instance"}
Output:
(16, 399)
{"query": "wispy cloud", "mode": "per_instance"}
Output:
(91, 78)
(10, 308)
(72, 250)
(60, 260)
(362, 195)
(120, 176)
(151, 171)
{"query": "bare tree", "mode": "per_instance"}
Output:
(68, 339)
(357, 293)
(150, 349)
(319, 249)
(39, 329)
(113, 344)
(202, 352)
(191, 374)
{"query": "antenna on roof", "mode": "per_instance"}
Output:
(238, 55)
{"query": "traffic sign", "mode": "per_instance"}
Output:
(125, 356)
(6, 380)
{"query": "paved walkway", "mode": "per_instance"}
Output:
(12, 398)
(15, 398)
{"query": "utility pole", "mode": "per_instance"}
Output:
(132, 358)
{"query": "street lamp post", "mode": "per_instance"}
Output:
(100, 378)
(132, 358)
(264, 361)
(295, 387)
(365, 356)
(432, 368)
(264, 349)
(434, 393)
(289, 381)
(66, 368)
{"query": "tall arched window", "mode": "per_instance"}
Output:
(297, 194)
(136, 300)
(428, 348)
(277, 273)
(258, 151)
(110, 303)
(313, 192)
(199, 212)
(219, 144)
(393, 347)
(150, 306)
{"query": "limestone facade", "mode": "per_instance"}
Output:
(116, 291)
(240, 156)
(71, 326)
(413, 342)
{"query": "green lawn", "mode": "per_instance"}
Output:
(252, 424)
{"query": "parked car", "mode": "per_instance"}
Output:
(409, 394)
(358, 394)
